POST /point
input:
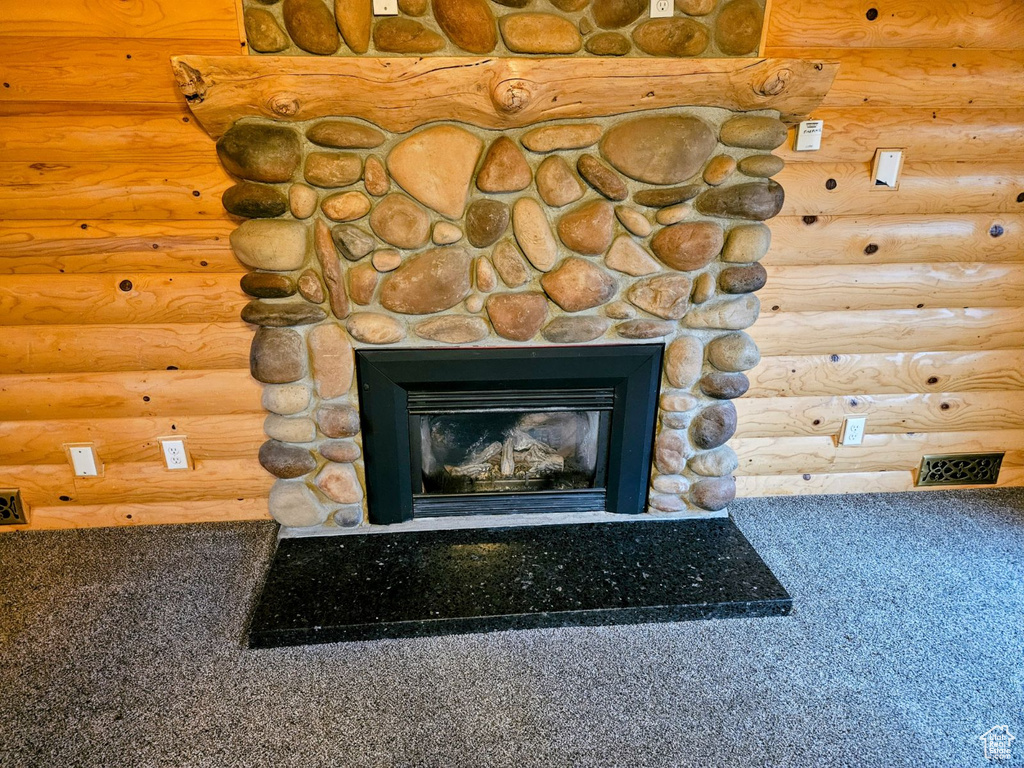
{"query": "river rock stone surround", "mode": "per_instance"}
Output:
(631, 228)
(504, 27)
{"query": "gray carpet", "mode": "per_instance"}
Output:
(124, 648)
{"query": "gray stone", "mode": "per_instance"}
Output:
(284, 460)
(724, 386)
(399, 221)
(400, 35)
(738, 27)
(659, 150)
(289, 430)
(752, 200)
(281, 313)
(349, 515)
(428, 282)
(666, 296)
(746, 243)
(602, 178)
(286, 399)
(575, 330)
(728, 314)
(749, 132)
(659, 198)
(684, 359)
(517, 316)
(713, 426)
(714, 494)
(311, 26)
(344, 134)
(747, 279)
(671, 420)
(452, 329)
(263, 33)
(294, 505)
(645, 329)
(332, 169)
(267, 285)
(688, 247)
(510, 264)
(337, 420)
(577, 284)
(671, 37)
(271, 244)
(254, 201)
(720, 462)
(486, 221)
(670, 484)
(341, 451)
(375, 328)
(670, 452)
(277, 356)
(733, 352)
(268, 153)
(339, 483)
(761, 166)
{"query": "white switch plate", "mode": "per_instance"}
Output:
(385, 7)
(176, 455)
(84, 460)
(853, 430)
(885, 171)
(808, 135)
(662, 9)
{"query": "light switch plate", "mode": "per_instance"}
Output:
(385, 7)
(83, 459)
(808, 135)
(886, 168)
(662, 9)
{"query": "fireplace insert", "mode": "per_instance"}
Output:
(505, 431)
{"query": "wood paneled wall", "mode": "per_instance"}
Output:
(119, 295)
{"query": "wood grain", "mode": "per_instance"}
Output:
(852, 482)
(401, 94)
(43, 518)
(119, 19)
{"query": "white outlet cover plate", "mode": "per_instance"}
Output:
(385, 7)
(83, 461)
(808, 135)
(175, 454)
(662, 9)
(853, 430)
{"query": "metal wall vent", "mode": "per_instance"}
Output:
(960, 469)
(12, 512)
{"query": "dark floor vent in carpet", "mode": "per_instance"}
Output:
(415, 584)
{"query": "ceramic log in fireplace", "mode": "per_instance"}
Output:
(491, 431)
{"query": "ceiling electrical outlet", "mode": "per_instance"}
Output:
(84, 460)
(12, 511)
(808, 135)
(385, 7)
(661, 9)
(853, 430)
(176, 455)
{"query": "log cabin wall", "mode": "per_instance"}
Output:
(120, 294)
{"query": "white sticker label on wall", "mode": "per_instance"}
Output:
(808, 135)
(385, 7)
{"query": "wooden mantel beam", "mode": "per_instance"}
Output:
(400, 94)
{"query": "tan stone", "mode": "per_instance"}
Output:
(575, 330)
(663, 149)
(615, 14)
(330, 268)
(510, 264)
(375, 177)
(413, 7)
(671, 37)
(670, 484)
(486, 221)
(747, 243)
(362, 282)
(333, 363)
(339, 481)
(375, 328)
(620, 310)
(688, 247)
(673, 214)
(337, 419)
(517, 316)
(289, 430)
(677, 401)
(554, 138)
(474, 303)
(578, 284)
(751, 132)
(346, 206)
(719, 169)
(267, 285)
(539, 33)
(344, 134)
(703, 288)
(556, 183)
(311, 26)
(730, 314)
(341, 451)
(696, 7)
(761, 166)
(468, 23)
(428, 282)
(629, 257)
(294, 505)
(354, 18)
(386, 260)
(399, 35)
(666, 296)
(302, 201)
(486, 280)
(570, 6)
(436, 167)
(684, 359)
(670, 452)
(738, 27)
(332, 169)
(271, 244)
(286, 399)
(452, 329)
(633, 220)
(602, 178)
(400, 222)
(734, 352)
(504, 168)
(533, 233)
(608, 44)
(263, 33)
(445, 233)
(588, 229)
(310, 287)
(659, 198)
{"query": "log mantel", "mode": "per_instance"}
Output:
(402, 94)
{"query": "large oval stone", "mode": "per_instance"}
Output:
(311, 26)
(486, 221)
(684, 359)
(761, 166)
(375, 328)
(713, 426)
(332, 169)
(344, 134)
(750, 132)
(724, 386)
(294, 505)
(539, 33)
(468, 23)
(615, 14)
(286, 399)
(671, 37)
(517, 316)
(575, 330)
(263, 33)
(286, 461)
(747, 243)
(452, 329)
(399, 221)
(289, 430)
(504, 168)
(269, 153)
(714, 494)
(557, 185)
(400, 35)
(730, 314)
(666, 296)
(717, 462)
(659, 150)
(577, 284)
(354, 19)
(436, 167)
(633, 220)
(746, 279)
(687, 247)
(271, 244)
(254, 201)
(734, 352)
(588, 229)
(277, 356)
(281, 314)
(602, 178)
(510, 264)
(755, 201)
(337, 420)
(533, 233)
(428, 282)
(629, 257)
(738, 27)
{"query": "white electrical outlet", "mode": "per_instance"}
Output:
(175, 453)
(385, 7)
(853, 430)
(84, 460)
(808, 135)
(661, 9)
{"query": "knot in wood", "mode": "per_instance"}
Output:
(511, 96)
(775, 83)
(284, 104)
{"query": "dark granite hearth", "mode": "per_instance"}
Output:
(416, 584)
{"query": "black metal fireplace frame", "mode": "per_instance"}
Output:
(627, 375)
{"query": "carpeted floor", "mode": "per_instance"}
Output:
(124, 648)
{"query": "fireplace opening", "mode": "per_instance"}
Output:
(504, 431)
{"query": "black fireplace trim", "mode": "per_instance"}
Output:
(386, 377)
